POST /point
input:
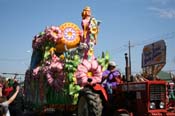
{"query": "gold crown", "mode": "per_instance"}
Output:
(87, 8)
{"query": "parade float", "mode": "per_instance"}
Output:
(63, 63)
(65, 75)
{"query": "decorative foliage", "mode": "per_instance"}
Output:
(104, 60)
(71, 63)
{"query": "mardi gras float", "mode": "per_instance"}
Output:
(62, 62)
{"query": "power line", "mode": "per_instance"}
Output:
(167, 36)
(13, 59)
(13, 74)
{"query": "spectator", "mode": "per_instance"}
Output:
(5, 103)
(1, 86)
(8, 87)
(16, 107)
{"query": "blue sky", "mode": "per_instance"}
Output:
(139, 21)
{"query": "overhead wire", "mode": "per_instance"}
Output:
(166, 36)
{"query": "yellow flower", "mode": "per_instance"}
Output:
(62, 57)
(90, 52)
(52, 50)
(89, 74)
(94, 30)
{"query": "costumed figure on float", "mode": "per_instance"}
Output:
(90, 31)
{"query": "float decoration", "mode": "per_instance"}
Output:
(70, 37)
(104, 60)
(88, 69)
(90, 28)
(62, 61)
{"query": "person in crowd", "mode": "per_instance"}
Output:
(8, 87)
(1, 86)
(16, 108)
(4, 104)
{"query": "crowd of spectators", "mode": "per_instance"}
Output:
(11, 97)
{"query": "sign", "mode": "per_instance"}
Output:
(154, 53)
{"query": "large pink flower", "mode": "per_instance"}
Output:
(37, 42)
(88, 69)
(54, 33)
(55, 75)
(36, 71)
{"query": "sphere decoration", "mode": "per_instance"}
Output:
(70, 36)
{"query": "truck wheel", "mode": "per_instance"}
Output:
(123, 115)
(89, 104)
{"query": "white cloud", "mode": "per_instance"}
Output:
(164, 13)
(162, 2)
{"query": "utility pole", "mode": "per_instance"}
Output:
(126, 68)
(129, 66)
(126, 75)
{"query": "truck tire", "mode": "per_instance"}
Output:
(123, 115)
(89, 104)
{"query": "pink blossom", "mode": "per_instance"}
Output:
(54, 33)
(88, 69)
(36, 70)
(55, 75)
